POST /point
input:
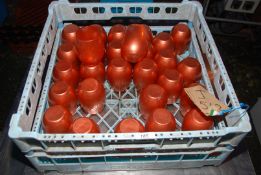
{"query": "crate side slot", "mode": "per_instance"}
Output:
(102, 11)
(46, 85)
(29, 99)
(222, 83)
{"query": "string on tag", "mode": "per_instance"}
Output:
(231, 109)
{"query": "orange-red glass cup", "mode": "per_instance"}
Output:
(67, 52)
(69, 33)
(93, 71)
(61, 93)
(90, 45)
(190, 69)
(166, 59)
(134, 47)
(145, 73)
(152, 97)
(119, 74)
(114, 50)
(91, 95)
(161, 120)
(64, 71)
(151, 52)
(84, 125)
(57, 119)
(88, 33)
(196, 120)
(142, 30)
(117, 32)
(163, 41)
(128, 125)
(103, 33)
(181, 36)
(172, 81)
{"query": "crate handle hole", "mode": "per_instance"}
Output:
(27, 110)
(249, 5)
(116, 9)
(98, 10)
(199, 26)
(135, 9)
(204, 36)
(29, 103)
(83, 10)
(34, 86)
(236, 4)
(171, 10)
(153, 9)
(228, 101)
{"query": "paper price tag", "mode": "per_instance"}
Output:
(205, 101)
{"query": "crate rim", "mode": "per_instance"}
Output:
(44, 154)
(124, 136)
(100, 4)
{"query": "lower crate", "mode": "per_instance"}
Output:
(128, 161)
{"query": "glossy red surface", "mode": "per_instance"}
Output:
(64, 71)
(88, 33)
(196, 120)
(90, 45)
(143, 30)
(117, 32)
(103, 33)
(84, 125)
(57, 119)
(181, 36)
(151, 52)
(161, 120)
(67, 52)
(166, 59)
(134, 47)
(69, 33)
(172, 81)
(190, 69)
(152, 97)
(91, 95)
(61, 93)
(145, 73)
(163, 41)
(119, 74)
(114, 50)
(128, 125)
(95, 71)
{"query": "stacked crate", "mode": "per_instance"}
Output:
(125, 151)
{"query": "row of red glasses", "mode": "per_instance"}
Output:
(58, 119)
(156, 63)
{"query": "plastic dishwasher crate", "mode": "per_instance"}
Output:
(108, 150)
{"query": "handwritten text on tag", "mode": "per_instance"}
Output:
(205, 101)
